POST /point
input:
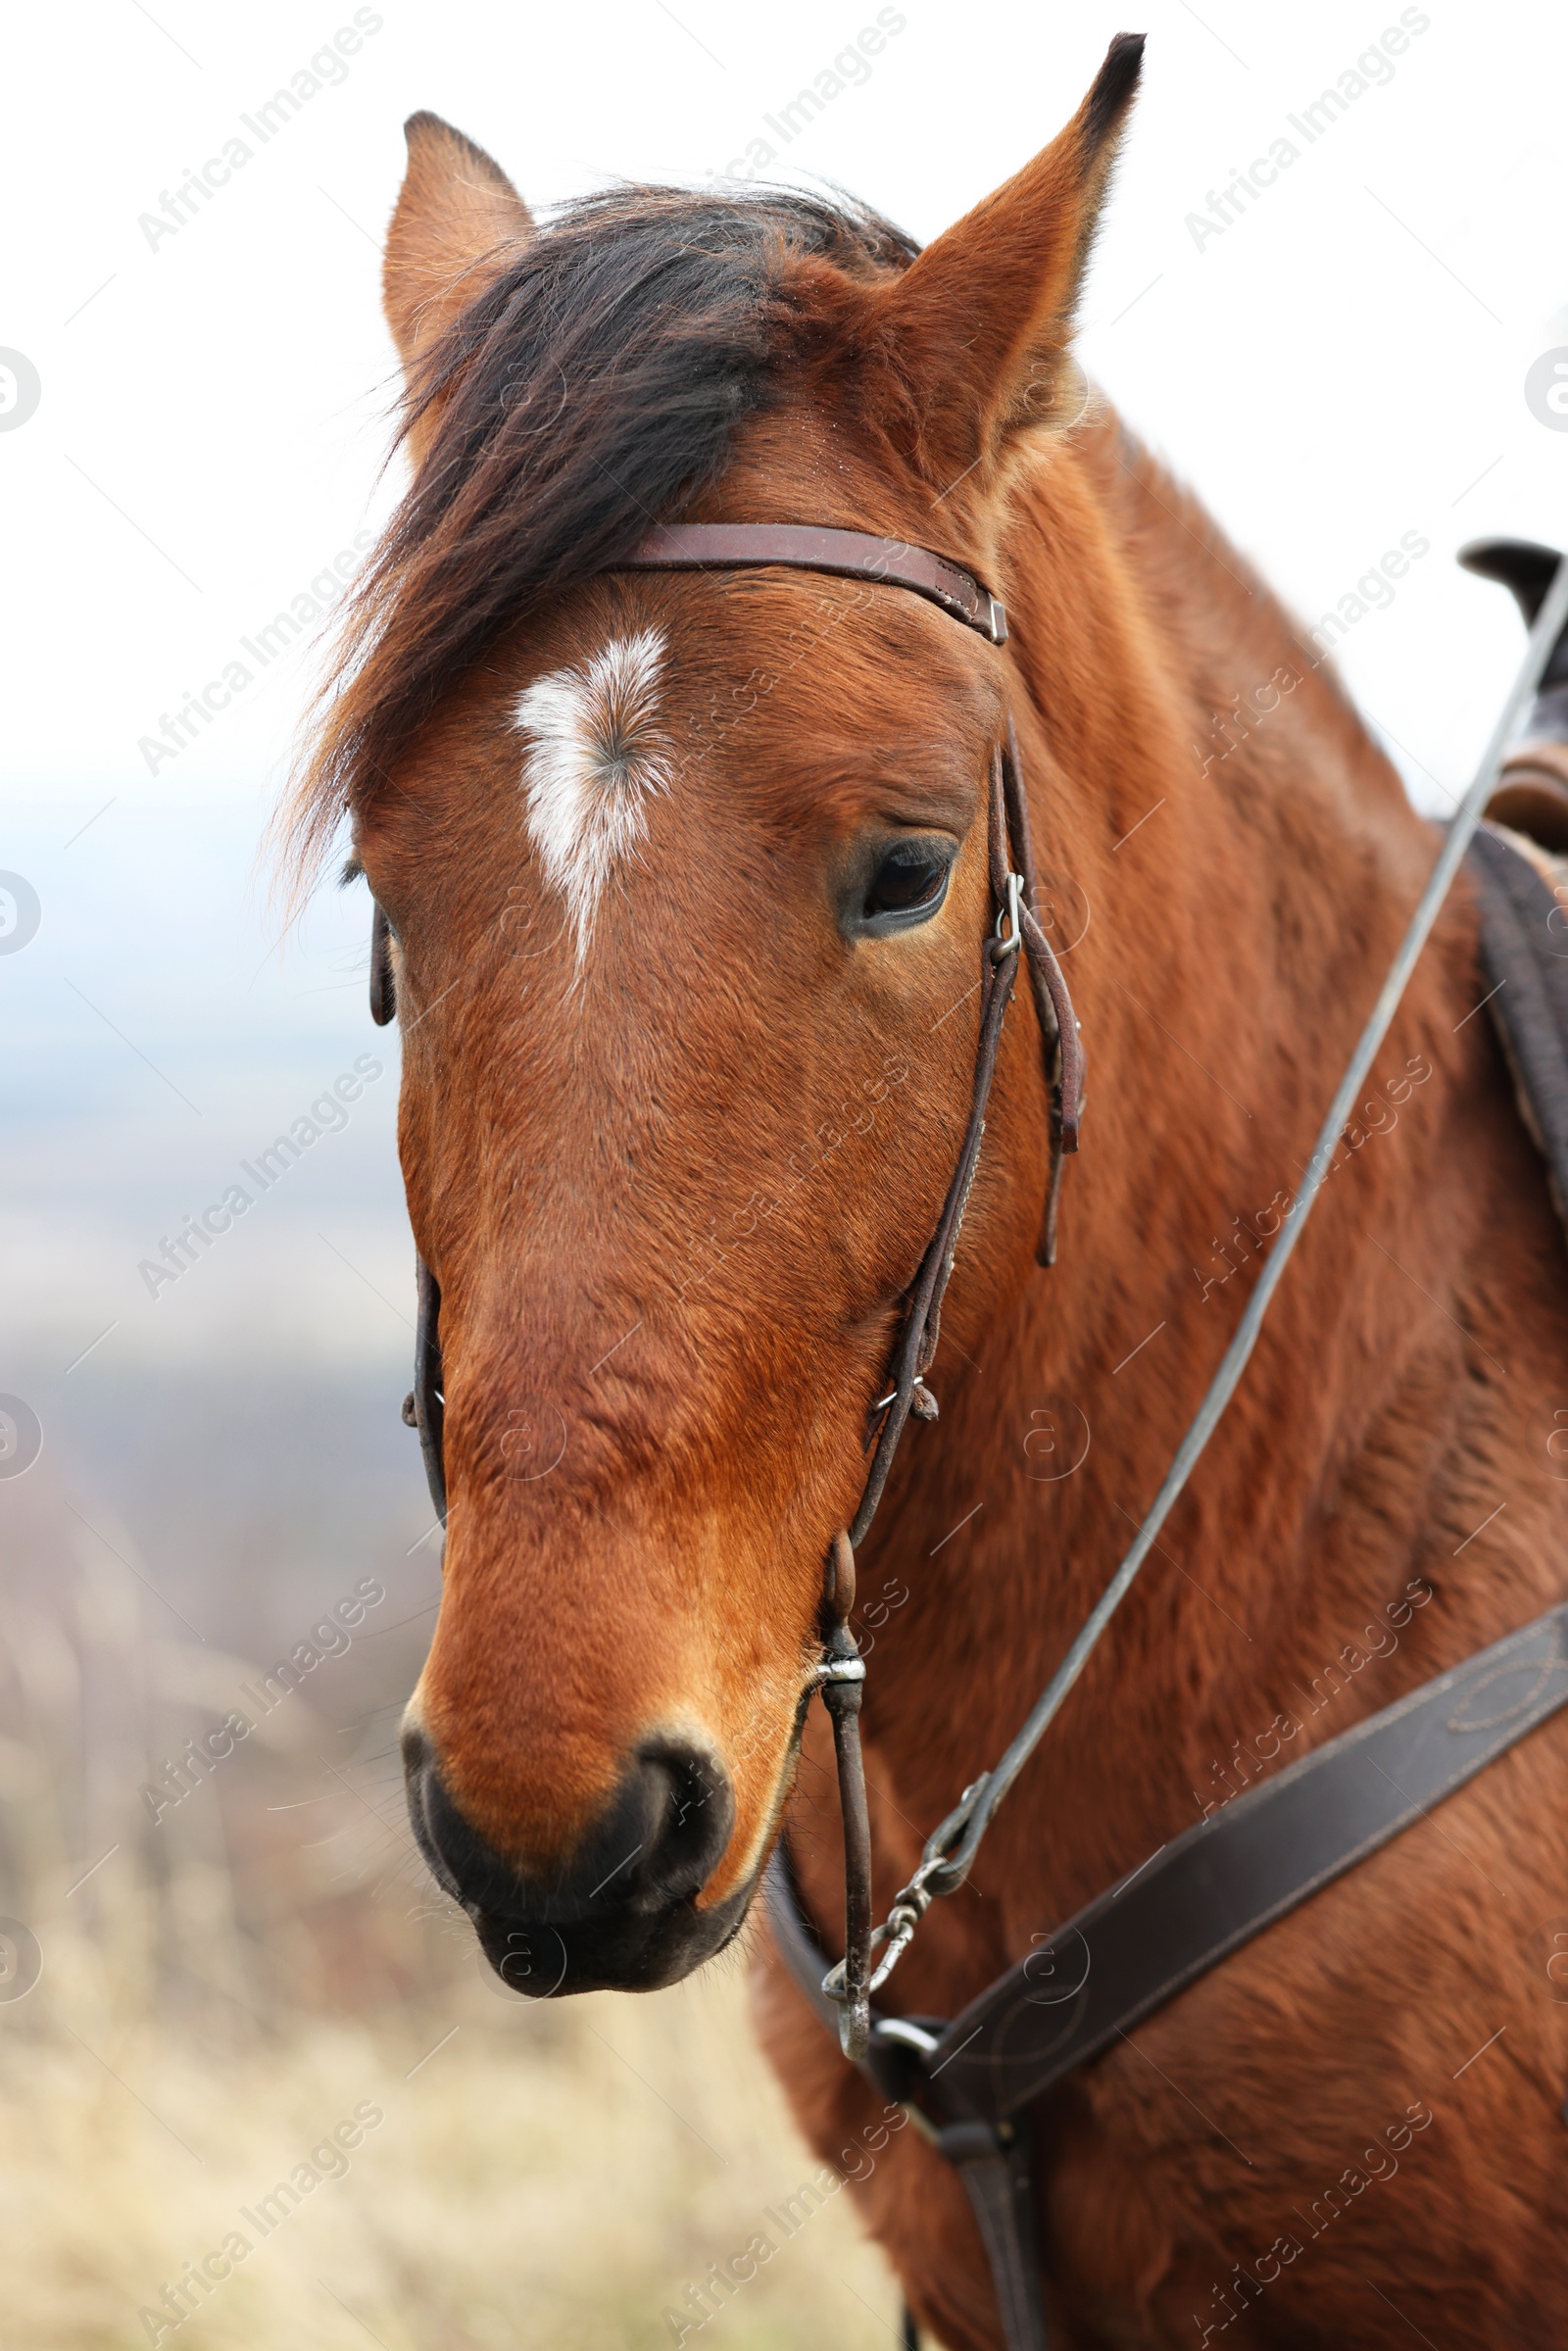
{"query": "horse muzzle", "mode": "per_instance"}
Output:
(618, 1912)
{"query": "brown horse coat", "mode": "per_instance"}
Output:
(674, 1172)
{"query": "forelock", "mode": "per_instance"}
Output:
(593, 387)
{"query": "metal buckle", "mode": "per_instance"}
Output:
(1010, 939)
(913, 2036)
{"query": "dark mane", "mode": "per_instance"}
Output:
(589, 391)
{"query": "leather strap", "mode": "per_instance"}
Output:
(1198, 1899)
(383, 982)
(1138, 1945)
(995, 2171)
(993, 2162)
(1528, 570)
(804, 547)
(1531, 794)
(426, 1407)
(1524, 958)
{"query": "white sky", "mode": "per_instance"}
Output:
(1339, 366)
(1342, 366)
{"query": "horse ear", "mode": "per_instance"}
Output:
(978, 324)
(458, 221)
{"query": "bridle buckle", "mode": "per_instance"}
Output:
(1010, 921)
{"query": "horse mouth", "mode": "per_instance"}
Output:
(621, 1953)
(626, 1913)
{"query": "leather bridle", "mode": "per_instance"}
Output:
(1187, 1913)
(1016, 930)
(1016, 907)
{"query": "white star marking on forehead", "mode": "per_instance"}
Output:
(598, 751)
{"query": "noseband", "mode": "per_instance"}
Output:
(1015, 930)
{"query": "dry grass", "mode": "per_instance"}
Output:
(228, 1986)
(544, 2178)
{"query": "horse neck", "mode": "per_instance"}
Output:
(1247, 861)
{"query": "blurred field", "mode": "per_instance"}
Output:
(230, 1983)
(220, 1466)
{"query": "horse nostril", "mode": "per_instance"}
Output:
(687, 1811)
(656, 1844)
(460, 1859)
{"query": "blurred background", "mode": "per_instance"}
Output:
(203, 1971)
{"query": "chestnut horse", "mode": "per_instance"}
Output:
(686, 874)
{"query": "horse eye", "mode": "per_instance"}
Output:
(911, 877)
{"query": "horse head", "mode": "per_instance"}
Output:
(686, 876)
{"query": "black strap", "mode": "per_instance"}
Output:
(426, 1407)
(1528, 568)
(1524, 956)
(995, 2171)
(383, 980)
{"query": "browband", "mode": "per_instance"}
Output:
(802, 547)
